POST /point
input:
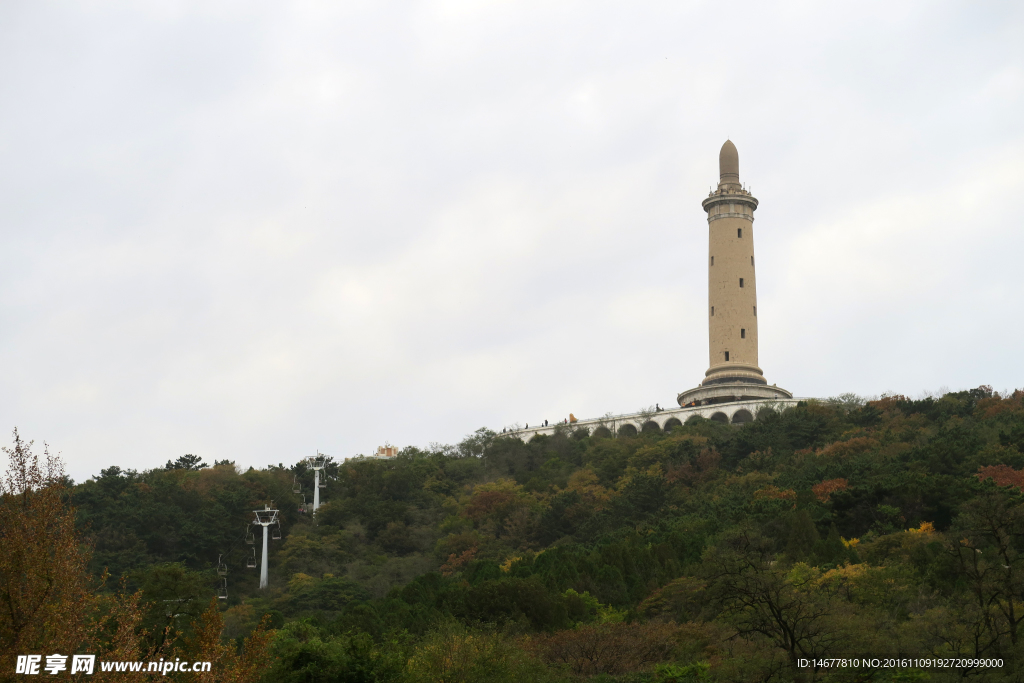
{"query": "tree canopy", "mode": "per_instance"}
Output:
(838, 528)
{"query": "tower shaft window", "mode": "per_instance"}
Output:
(726, 355)
(751, 260)
(743, 333)
(739, 232)
(741, 282)
(712, 310)
(712, 260)
(755, 311)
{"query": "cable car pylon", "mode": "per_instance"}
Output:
(316, 464)
(265, 518)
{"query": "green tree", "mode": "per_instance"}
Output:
(759, 596)
(454, 654)
(188, 462)
(304, 653)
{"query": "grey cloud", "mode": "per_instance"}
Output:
(250, 230)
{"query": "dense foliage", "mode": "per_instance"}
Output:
(837, 528)
(51, 607)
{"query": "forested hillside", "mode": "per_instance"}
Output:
(721, 553)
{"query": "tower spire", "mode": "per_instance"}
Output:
(728, 165)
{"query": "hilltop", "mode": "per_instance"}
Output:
(712, 552)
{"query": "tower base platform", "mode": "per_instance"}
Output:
(730, 392)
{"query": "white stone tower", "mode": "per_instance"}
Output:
(733, 374)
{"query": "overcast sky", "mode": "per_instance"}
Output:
(252, 230)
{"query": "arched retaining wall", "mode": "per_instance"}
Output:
(738, 413)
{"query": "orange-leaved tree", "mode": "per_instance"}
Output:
(46, 604)
(227, 665)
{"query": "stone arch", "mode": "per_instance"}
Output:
(720, 417)
(580, 433)
(694, 419)
(672, 423)
(650, 427)
(602, 432)
(766, 413)
(742, 416)
(627, 430)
